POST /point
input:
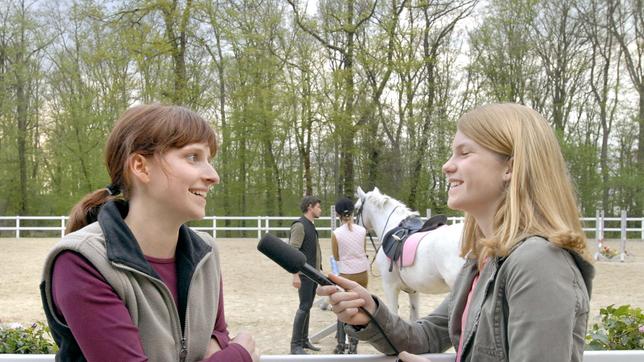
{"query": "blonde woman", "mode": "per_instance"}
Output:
(523, 293)
(348, 243)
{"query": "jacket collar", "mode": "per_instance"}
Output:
(123, 248)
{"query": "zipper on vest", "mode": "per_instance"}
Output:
(183, 352)
(184, 349)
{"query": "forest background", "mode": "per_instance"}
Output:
(319, 96)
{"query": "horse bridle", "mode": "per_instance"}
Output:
(360, 221)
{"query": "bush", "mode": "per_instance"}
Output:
(23, 340)
(619, 328)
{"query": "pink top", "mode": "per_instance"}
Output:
(464, 318)
(353, 258)
(100, 321)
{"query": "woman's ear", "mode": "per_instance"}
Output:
(507, 175)
(139, 167)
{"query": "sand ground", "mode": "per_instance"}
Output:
(259, 297)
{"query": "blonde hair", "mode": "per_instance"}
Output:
(347, 219)
(539, 198)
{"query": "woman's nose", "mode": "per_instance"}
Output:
(212, 176)
(448, 166)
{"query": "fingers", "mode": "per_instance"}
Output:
(408, 357)
(346, 284)
(246, 340)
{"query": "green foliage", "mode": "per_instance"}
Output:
(34, 339)
(620, 328)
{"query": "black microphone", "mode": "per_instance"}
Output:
(290, 258)
(293, 261)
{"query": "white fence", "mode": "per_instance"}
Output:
(597, 227)
(589, 356)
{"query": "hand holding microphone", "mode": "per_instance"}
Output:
(289, 258)
(348, 303)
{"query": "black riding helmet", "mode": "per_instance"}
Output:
(344, 207)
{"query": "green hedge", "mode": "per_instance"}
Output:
(620, 328)
(34, 339)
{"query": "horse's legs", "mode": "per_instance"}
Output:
(390, 281)
(392, 289)
(414, 299)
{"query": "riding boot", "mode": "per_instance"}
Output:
(305, 335)
(297, 346)
(341, 337)
(353, 345)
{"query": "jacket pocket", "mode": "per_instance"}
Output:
(487, 353)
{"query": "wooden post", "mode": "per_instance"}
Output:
(62, 226)
(622, 244)
(598, 233)
(429, 213)
(214, 227)
(333, 218)
(259, 227)
(18, 227)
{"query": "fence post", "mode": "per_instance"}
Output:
(622, 244)
(642, 226)
(429, 213)
(214, 227)
(267, 226)
(601, 224)
(597, 234)
(332, 218)
(62, 226)
(18, 227)
(259, 227)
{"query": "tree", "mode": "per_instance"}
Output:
(626, 23)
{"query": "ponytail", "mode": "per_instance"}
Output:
(86, 210)
(348, 219)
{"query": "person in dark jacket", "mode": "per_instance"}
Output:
(304, 237)
(130, 281)
(523, 293)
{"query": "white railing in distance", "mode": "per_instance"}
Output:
(263, 224)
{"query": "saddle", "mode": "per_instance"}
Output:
(394, 241)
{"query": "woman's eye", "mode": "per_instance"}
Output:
(192, 157)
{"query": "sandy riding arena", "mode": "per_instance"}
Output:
(258, 294)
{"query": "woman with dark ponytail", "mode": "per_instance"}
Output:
(130, 281)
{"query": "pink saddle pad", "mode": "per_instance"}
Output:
(409, 249)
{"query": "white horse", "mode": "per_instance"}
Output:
(437, 261)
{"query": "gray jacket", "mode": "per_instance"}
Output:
(532, 305)
(169, 332)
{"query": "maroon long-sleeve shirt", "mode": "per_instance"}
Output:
(101, 323)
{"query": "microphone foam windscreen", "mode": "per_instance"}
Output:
(283, 254)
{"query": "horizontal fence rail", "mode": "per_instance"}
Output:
(598, 227)
(589, 356)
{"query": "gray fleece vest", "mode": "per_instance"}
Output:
(147, 299)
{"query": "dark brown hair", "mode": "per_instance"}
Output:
(308, 201)
(148, 130)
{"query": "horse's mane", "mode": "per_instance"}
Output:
(381, 201)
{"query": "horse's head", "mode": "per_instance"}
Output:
(359, 207)
(366, 206)
(375, 208)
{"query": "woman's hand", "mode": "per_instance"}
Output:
(408, 357)
(213, 347)
(248, 342)
(297, 283)
(346, 303)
